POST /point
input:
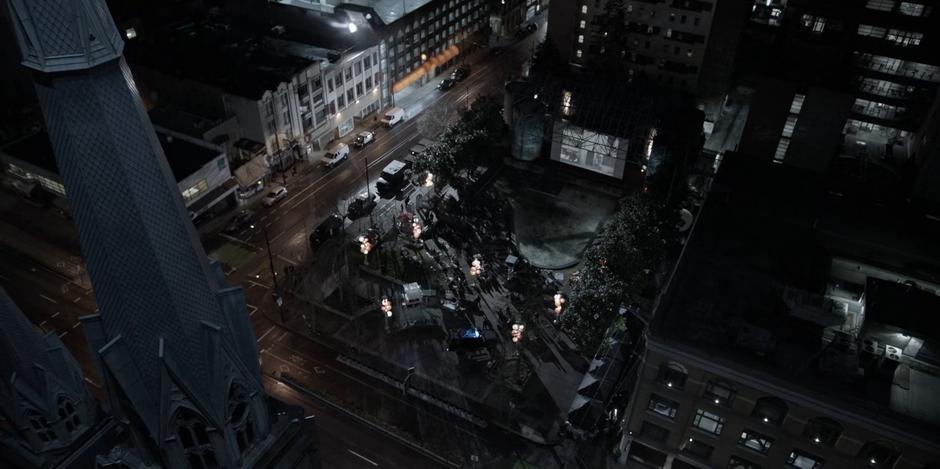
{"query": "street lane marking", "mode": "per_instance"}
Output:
(54, 315)
(42, 325)
(265, 334)
(254, 309)
(286, 260)
(363, 457)
(48, 299)
(89, 381)
(76, 300)
(63, 334)
(76, 325)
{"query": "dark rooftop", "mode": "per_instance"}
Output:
(212, 53)
(758, 285)
(184, 157)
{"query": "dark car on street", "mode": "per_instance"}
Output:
(332, 226)
(462, 72)
(239, 222)
(447, 84)
(361, 205)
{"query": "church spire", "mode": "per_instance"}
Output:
(42, 389)
(174, 342)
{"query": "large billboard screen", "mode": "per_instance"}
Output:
(589, 150)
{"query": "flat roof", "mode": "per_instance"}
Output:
(389, 11)
(757, 286)
(212, 53)
(184, 157)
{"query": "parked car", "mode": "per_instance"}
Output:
(462, 72)
(361, 205)
(363, 139)
(524, 31)
(447, 84)
(332, 226)
(239, 222)
(393, 116)
(392, 179)
(274, 195)
(335, 155)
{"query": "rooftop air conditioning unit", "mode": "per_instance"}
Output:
(892, 353)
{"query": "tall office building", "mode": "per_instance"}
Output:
(797, 331)
(684, 44)
(849, 87)
(173, 341)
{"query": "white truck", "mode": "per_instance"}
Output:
(393, 116)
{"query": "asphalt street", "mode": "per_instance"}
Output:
(55, 304)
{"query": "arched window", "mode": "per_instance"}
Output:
(770, 410)
(822, 431)
(194, 437)
(240, 418)
(41, 427)
(879, 454)
(673, 375)
(68, 415)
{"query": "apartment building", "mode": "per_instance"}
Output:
(866, 73)
(287, 89)
(794, 333)
(685, 44)
(417, 39)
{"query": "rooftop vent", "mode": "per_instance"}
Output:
(278, 29)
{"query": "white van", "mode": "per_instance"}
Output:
(393, 116)
(335, 155)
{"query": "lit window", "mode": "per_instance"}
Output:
(580, 39)
(797, 104)
(803, 460)
(663, 406)
(583, 8)
(904, 38)
(782, 146)
(708, 422)
(130, 33)
(755, 441)
(719, 393)
(789, 126)
(583, 24)
(880, 5)
(578, 53)
(688, 53)
(871, 31)
(913, 9)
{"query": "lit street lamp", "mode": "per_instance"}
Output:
(387, 307)
(476, 267)
(517, 330)
(559, 303)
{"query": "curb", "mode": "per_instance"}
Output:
(417, 448)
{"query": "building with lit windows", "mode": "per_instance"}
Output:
(684, 44)
(417, 39)
(201, 169)
(848, 87)
(795, 332)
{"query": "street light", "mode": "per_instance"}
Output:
(429, 180)
(352, 28)
(559, 303)
(476, 267)
(416, 228)
(387, 307)
(517, 330)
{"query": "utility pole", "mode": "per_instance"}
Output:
(369, 193)
(277, 290)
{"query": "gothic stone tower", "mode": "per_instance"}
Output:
(42, 393)
(174, 341)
